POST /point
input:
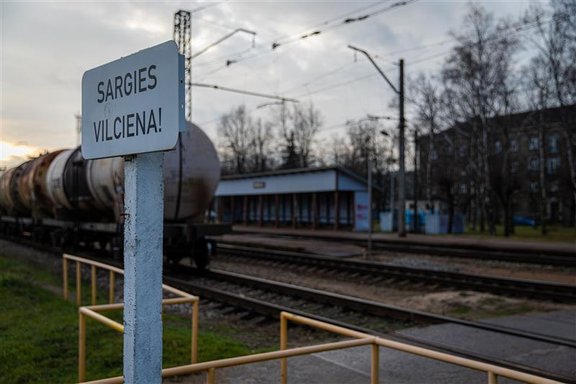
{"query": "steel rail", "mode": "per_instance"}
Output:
(374, 308)
(273, 310)
(517, 287)
(463, 250)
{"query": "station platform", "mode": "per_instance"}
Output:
(458, 241)
(353, 365)
(312, 246)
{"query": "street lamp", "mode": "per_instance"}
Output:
(416, 229)
(390, 161)
(401, 127)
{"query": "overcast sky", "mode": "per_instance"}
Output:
(47, 46)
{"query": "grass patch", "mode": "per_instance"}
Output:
(39, 334)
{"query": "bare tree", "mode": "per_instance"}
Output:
(234, 130)
(335, 153)
(261, 156)
(425, 95)
(298, 129)
(245, 144)
(478, 76)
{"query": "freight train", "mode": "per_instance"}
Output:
(61, 199)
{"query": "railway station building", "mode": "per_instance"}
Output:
(327, 197)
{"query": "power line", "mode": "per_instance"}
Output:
(257, 94)
(292, 39)
(515, 29)
(331, 72)
(337, 85)
(523, 27)
(311, 29)
(346, 21)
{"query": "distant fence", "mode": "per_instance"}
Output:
(431, 223)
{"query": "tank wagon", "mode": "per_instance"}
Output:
(64, 200)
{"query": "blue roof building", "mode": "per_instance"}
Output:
(328, 197)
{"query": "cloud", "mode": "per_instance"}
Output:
(47, 46)
(12, 154)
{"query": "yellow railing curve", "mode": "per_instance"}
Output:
(94, 311)
(493, 372)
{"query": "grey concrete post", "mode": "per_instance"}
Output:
(143, 233)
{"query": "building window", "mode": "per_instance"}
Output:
(514, 145)
(462, 151)
(463, 188)
(534, 187)
(552, 165)
(533, 164)
(433, 155)
(514, 166)
(553, 143)
(533, 143)
(554, 187)
(497, 147)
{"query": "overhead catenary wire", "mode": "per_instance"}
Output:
(336, 18)
(517, 28)
(337, 85)
(523, 27)
(317, 78)
(276, 44)
(241, 91)
(342, 23)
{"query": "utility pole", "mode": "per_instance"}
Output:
(401, 141)
(416, 229)
(369, 163)
(402, 158)
(182, 36)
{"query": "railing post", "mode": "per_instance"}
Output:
(93, 281)
(375, 364)
(283, 346)
(492, 378)
(112, 283)
(78, 284)
(212, 376)
(195, 310)
(65, 277)
(82, 348)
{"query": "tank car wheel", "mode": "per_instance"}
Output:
(40, 235)
(201, 254)
(173, 257)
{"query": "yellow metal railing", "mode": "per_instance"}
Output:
(358, 339)
(93, 311)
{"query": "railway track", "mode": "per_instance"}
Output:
(269, 298)
(513, 287)
(463, 250)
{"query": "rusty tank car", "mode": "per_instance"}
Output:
(63, 199)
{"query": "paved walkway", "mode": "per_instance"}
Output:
(353, 365)
(456, 240)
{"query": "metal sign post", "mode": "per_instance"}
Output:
(143, 230)
(134, 107)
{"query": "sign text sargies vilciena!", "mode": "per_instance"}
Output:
(134, 104)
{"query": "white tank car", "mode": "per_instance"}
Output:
(86, 199)
(191, 175)
(105, 180)
(55, 181)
